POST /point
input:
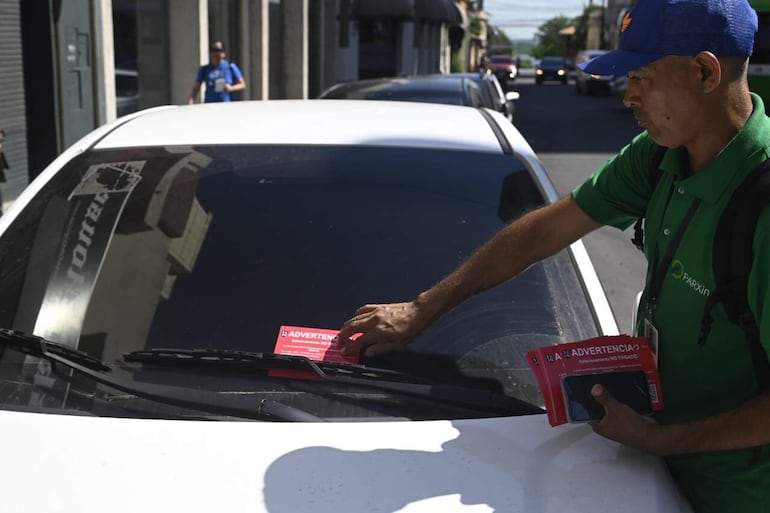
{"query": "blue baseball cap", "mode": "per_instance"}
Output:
(656, 28)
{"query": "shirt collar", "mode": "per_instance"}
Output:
(740, 156)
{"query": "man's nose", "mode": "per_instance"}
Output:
(631, 96)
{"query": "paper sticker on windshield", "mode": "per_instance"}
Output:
(316, 344)
(92, 212)
(95, 206)
(111, 178)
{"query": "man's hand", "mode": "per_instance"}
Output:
(385, 328)
(622, 424)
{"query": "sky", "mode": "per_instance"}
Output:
(520, 19)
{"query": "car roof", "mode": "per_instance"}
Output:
(475, 76)
(367, 122)
(411, 83)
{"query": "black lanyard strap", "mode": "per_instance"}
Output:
(660, 274)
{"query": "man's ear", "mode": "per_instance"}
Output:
(710, 71)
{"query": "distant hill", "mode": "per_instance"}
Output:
(523, 46)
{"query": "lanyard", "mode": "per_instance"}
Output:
(660, 274)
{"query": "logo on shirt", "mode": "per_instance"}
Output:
(678, 273)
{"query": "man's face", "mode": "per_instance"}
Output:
(216, 54)
(665, 96)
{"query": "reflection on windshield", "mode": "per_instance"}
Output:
(217, 247)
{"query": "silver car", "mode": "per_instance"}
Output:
(588, 83)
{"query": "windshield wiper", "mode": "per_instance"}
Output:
(202, 400)
(356, 374)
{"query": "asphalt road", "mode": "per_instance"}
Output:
(573, 134)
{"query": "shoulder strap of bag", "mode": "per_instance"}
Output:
(654, 176)
(732, 259)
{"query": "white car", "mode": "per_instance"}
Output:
(170, 287)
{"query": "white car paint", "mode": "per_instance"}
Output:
(62, 463)
(506, 465)
(310, 122)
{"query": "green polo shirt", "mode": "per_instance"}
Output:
(697, 380)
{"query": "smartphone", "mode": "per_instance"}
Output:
(628, 387)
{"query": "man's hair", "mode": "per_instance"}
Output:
(735, 68)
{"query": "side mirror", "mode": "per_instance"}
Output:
(512, 96)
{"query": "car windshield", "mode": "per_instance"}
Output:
(218, 247)
(501, 59)
(552, 61)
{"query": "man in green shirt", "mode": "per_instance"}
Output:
(686, 62)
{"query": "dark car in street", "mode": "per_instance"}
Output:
(494, 95)
(551, 69)
(417, 88)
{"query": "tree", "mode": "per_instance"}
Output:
(581, 22)
(549, 41)
(499, 40)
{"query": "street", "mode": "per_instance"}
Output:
(573, 134)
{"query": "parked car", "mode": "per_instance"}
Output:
(417, 88)
(504, 68)
(494, 96)
(551, 68)
(590, 83)
(149, 273)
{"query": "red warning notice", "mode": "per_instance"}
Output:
(314, 343)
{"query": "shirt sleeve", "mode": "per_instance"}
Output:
(237, 75)
(618, 192)
(201, 75)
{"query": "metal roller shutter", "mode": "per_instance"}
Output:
(12, 114)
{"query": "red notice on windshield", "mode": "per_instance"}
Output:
(314, 343)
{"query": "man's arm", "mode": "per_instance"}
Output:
(194, 93)
(240, 85)
(745, 426)
(533, 237)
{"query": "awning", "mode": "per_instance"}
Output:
(383, 9)
(438, 10)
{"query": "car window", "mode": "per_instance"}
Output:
(475, 96)
(552, 61)
(501, 59)
(217, 247)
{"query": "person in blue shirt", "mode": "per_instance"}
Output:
(221, 76)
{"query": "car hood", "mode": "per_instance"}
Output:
(57, 463)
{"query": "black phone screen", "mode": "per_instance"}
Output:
(628, 387)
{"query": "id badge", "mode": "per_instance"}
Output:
(651, 333)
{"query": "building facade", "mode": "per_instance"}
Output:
(73, 65)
